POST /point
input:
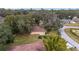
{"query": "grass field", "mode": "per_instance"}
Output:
(72, 24)
(72, 35)
(25, 39)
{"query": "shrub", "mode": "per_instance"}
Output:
(6, 35)
(54, 43)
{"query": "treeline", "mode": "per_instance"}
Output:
(24, 23)
(62, 13)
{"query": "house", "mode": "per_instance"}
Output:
(75, 19)
(72, 21)
(38, 30)
(66, 21)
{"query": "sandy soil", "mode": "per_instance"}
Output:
(35, 46)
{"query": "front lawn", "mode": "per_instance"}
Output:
(25, 39)
(72, 35)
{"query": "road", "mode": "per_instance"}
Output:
(67, 38)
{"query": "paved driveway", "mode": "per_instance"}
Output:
(67, 38)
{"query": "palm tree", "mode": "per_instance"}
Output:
(55, 43)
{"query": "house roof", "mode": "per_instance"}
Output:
(38, 29)
(76, 19)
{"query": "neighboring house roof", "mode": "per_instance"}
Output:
(38, 29)
(66, 21)
(75, 19)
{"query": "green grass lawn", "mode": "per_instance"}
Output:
(72, 35)
(72, 24)
(25, 39)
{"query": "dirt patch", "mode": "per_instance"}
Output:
(35, 46)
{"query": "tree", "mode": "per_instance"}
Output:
(20, 23)
(24, 23)
(6, 35)
(11, 21)
(51, 22)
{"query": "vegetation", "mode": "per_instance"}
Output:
(72, 34)
(54, 42)
(18, 25)
(6, 36)
(4, 47)
(72, 24)
(25, 39)
(73, 49)
(62, 13)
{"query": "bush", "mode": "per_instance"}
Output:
(54, 43)
(6, 35)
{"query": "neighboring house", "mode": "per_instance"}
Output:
(75, 19)
(38, 30)
(66, 21)
(72, 21)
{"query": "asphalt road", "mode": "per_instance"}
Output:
(67, 38)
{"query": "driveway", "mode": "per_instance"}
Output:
(67, 38)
